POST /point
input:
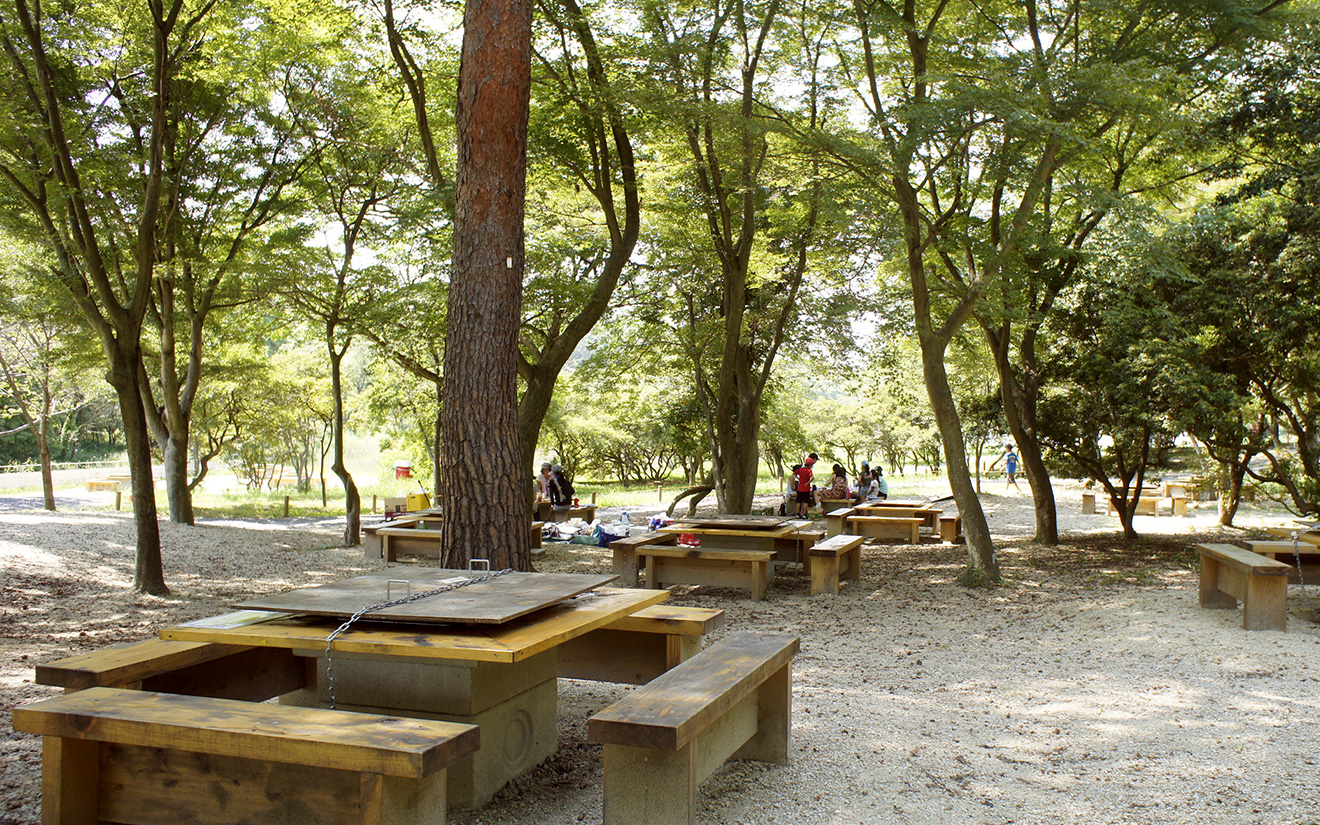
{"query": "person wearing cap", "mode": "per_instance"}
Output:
(561, 490)
(543, 482)
(865, 483)
(802, 477)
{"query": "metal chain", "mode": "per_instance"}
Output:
(1297, 557)
(371, 608)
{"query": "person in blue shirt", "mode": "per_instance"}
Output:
(1010, 468)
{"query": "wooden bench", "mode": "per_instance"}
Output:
(1230, 574)
(829, 505)
(1145, 507)
(836, 521)
(837, 557)
(145, 758)
(668, 564)
(930, 516)
(951, 529)
(251, 674)
(546, 512)
(416, 535)
(96, 485)
(732, 700)
(637, 648)
(887, 527)
(624, 551)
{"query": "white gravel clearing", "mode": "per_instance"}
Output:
(1088, 689)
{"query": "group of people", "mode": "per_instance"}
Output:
(870, 486)
(553, 484)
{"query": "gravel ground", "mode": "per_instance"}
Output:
(1089, 688)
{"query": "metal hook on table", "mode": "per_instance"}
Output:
(389, 585)
(473, 564)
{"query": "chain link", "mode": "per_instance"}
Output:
(371, 608)
(1297, 557)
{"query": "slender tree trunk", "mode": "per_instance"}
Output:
(980, 546)
(481, 465)
(125, 371)
(1231, 497)
(352, 500)
(1019, 397)
(177, 492)
(47, 479)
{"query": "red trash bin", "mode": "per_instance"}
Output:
(403, 469)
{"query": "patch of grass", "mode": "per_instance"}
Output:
(978, 577)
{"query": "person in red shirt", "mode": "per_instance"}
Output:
(803, 475)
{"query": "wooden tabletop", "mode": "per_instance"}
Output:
(512, 641)
(896, 502)
(731, 521)
(495, 601)
(1305, 533)
(780, 530)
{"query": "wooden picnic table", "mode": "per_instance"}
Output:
(930, 515)
(484, 655)
(736, 532)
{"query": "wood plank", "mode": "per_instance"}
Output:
(278, 733)
(1307, 536)
(778, 531)
(495, 601)
(682, 552)
(675, 707)
(1244, 560)
(834, 545)
(157, 786)
(672, 619)
(129, 663)
(653, 537)
(510, 642)
(735, 522)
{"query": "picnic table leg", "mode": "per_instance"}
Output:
(652, 574)
(774, 700)
(760, 579)
(625, 565)
(824, 575)
(678, 649)
(70, 781)
(1266, 604)
(650, 787)
(1211, 597)
(854, 557)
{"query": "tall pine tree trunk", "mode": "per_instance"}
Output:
(482, 473)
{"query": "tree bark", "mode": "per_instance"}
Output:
(980, 545)
(1019, 400)
(483, 479)
(352, 499)
(125, 371)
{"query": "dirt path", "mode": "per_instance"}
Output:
(1090, 688)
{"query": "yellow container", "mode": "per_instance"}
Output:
(418, 501)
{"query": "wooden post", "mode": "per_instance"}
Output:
(593, 497)
(118, 496)
(286, 506)
(373, 503)
(660, 492)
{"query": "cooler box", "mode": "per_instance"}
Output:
(418, 501)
